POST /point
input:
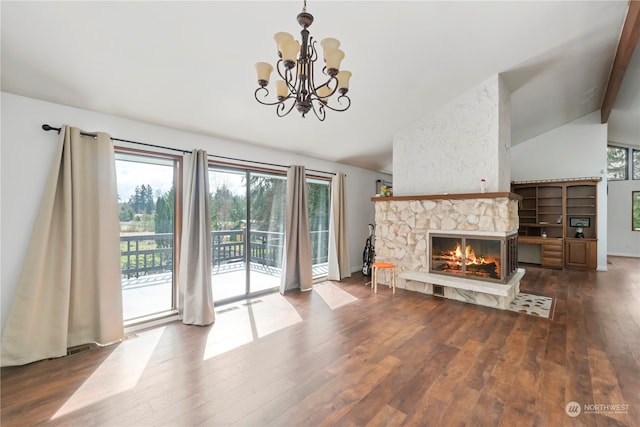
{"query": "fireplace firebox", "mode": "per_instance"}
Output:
(487, 258)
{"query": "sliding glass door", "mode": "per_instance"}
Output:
(228, 233)
(318, 195)
(146, 199)
(247, 228)
(267, 198)
(247, 225)
(247, 231)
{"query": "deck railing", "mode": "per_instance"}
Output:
(146, 254)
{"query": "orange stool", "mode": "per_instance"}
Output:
(383, 266)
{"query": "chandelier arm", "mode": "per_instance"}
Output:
(266, 93)
(339, 99)
(286, 75)
(320, 111)
(313, 52)
(328, 84)
(282, 109)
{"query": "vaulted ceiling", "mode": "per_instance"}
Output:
(190, 65)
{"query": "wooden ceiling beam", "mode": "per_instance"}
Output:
(628, 41)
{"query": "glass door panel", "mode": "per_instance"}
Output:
(318, 192)
(266, 232)
(228, 233)
(146, 199)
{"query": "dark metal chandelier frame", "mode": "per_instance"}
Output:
(297, 87)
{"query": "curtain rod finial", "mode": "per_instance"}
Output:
(48, 128)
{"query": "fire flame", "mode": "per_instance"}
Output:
(454, 259)
(469, 255)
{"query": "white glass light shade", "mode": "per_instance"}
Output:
(281, 38)
(281, 89)
(290, 49)
(264, 70)
(330, 43)
(333, 57)
(343, 79)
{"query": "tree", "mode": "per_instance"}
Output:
(635, 203)
(126, 213)
(617, 159)
(318, 198)
(149, 205)
(164, 215)
(226, 208)
(268, 196)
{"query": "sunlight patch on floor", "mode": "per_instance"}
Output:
(121, 371)
(248, 321)
(333, 295)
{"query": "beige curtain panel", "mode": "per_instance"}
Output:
(194, 283)
(296, 268)
(69, 292)
(339, 262)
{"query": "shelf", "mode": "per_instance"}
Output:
(550, 201)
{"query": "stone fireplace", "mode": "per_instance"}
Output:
(486, 222)
(437, 163)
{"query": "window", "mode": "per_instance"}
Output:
(146, 199)
(318, 196)
(617, 163)
(635, 160)
(635, 210)
(247, 230)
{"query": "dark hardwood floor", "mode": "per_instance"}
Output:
(377, 360)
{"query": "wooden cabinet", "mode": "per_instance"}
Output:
(541, 210)
(560, 216)
(551, 250)
(581, 253)
(581, 211)
(552, 253)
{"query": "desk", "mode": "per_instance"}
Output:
(551, 250)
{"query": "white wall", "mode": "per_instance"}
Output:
(451, 151)
(622, 241)
(575, 150)
(27, 150)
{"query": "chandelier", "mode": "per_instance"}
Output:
(297, 85)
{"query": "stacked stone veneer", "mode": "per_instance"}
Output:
(402, 225)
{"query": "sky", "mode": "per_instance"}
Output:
(160, 176)
(131, 174)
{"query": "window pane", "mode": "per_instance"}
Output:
(635, 209)
(267, 221)
(617, 163)
(318, 192)
(228, 233)
(146, 197)
(636, 164)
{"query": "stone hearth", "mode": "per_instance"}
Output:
(404, 222)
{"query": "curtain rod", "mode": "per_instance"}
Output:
(267, 164)
(47, 128)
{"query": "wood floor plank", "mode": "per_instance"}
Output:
(381, 360)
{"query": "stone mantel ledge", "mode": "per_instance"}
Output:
(460, 196)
